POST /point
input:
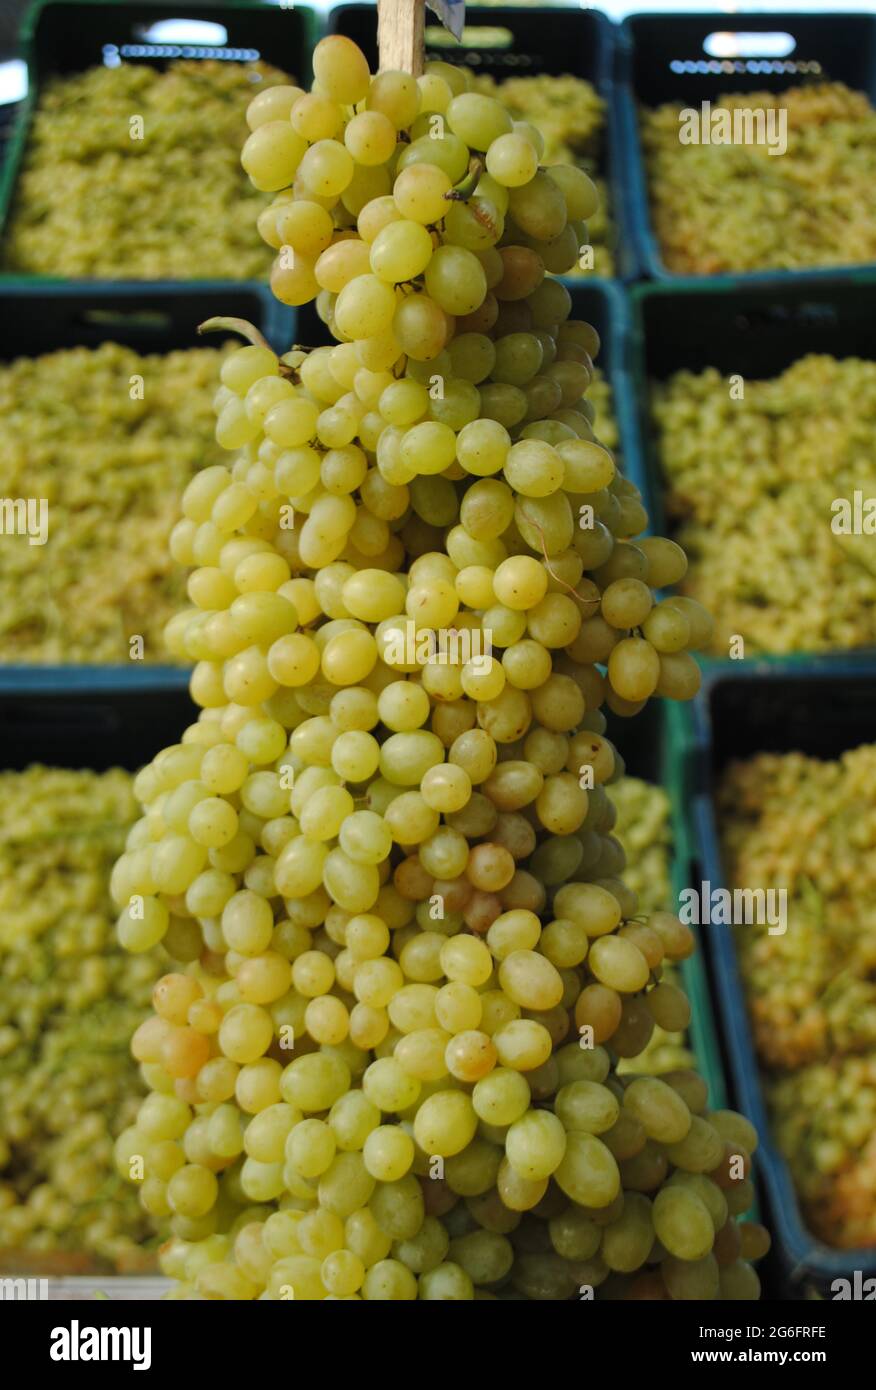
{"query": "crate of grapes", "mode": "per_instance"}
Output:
(69, 996)
(554, 66)
(106, 407)
(780, 774)
(749, 147)
(125, 160)
(753, 438)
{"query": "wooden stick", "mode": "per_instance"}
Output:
(400, 35)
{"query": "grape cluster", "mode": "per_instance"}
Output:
(389, 1070)
(99, 195)
(111, 460)
(758, 477)
(737, 207)
(810, 825)
(570, 114)
(69, 999)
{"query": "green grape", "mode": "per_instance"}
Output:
(401, 251)
(420, 192)
(476, 225)
(449, 154)
(682, 1223)
(272, 154)
(455, 280)
(512, 160)
(477, 120)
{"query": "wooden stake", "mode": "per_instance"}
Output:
(400, 35)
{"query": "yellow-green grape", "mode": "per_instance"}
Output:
(588, 1173)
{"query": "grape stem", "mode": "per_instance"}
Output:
(229, 325)
(462, 191)
(246, 330)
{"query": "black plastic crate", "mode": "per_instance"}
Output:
(94, 725)
(664, 58)
(821, 712)
(68, 35)
(40, 318)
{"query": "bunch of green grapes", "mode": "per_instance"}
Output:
(599, 395)
(726, 207)
(570, 114)
(760, 476)
(809, 826)
(642, 827)
(69, 999)
(109, 438)
(643, 832)
(134, 172)
(825, 1119)
(382, 855)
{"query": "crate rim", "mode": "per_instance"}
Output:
(27, 26)
(313, 24)
(606, 27)
(58, 679)
(768, 20)
(732, 282)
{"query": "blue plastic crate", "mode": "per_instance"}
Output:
(661, 58)
(536, 39)
(820, 711)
